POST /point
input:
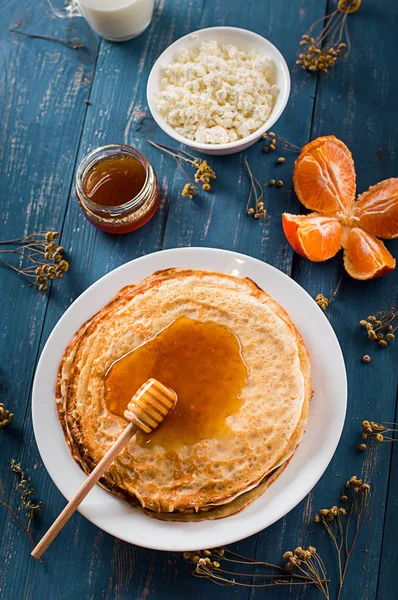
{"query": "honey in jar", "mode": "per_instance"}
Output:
(201, 362)
(117, 188)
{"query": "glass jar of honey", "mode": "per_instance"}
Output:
(117, 188)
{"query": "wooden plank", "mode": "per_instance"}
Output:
(218, 219)
(107, 568)
(43, 85)
(386, 579)
(354, 103)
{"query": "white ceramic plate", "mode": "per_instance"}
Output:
(245, 40)
(324, 427)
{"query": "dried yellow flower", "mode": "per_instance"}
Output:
(189, 191)
(322, 302)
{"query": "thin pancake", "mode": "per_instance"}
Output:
(89, 429)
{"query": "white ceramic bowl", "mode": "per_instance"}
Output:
(245, 40)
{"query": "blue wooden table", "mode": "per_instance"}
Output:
(56, 104)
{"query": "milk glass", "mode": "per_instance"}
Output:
(114, 20)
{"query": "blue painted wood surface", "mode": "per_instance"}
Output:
(46, 127)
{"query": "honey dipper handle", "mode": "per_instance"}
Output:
(90, 482)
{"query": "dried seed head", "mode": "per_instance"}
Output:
(322, 302)
(64, 265)
(189, 191)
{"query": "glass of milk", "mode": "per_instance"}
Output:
(114, 20)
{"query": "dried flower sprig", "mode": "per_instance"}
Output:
(303, 566)
(344, 534)
(218, 566)
(323, 50)
(272, 140)
(5, 416)
(380, 432)
(189, 191)
(256, 193)
(310, 564)
(43, 258)
(28, 507)
(203, 174)
(324, 302)
(381, 326)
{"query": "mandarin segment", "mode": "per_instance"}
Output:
(377, 209)
(324, 176)
(319, 141)
(313, 236)
(366, 257)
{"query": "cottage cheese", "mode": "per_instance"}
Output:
(216, 93)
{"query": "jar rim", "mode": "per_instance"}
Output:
(96, 156)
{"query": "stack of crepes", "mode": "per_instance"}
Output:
(212, 478)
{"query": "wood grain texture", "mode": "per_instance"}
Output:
(43, 86)
(46, 128)
(361, 120)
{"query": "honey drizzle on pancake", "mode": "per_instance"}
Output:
(202, 362)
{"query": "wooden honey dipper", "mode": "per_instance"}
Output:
(151, 403)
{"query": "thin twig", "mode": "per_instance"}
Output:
(12, 513)
(164, 149)
(6, 264)
(74, 44)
